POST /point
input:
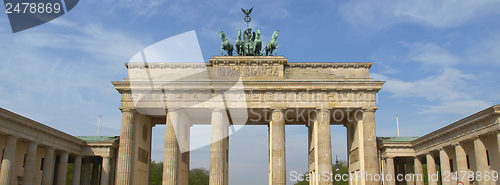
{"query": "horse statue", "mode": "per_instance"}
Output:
(258, 44)
(239, 44)
(226, 45)
(272, 44)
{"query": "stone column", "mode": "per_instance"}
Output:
(62, 169)
(183, 138)
(277, 163)
(498, 142)
(218, 147)
(29, 166)
(461, 158)
(419, 172)
(176, 148)
(369, 145)
(444, 161)
(431, 169)
(7, 170)
(171, 152)
(409, 171)
(389, 171)
(312, 151)
(124, 169)
(496, 163)
(48, 166)
(113, 170)
(105, 171)
(226, 157)
(77, 169)
(324, 145)
(94, 180)
(481, 159)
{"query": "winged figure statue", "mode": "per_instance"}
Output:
(247, 12)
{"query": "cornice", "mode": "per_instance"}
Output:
(496, 109)
(161, 65)
(26, 122)
(258, 85)
(334, 65)
(246, 60)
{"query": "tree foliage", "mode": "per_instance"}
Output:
(197, 176)
(342, 169)
(155, 173)
(200, 176)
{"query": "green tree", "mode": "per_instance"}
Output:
(155, 173)
(342, 169)
(69, 174)
(197, 176)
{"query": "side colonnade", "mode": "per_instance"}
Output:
(35, 154)
(466, 152)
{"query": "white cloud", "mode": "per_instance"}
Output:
(432, 54)
(448, 92)
(49, 74)
(387, 69)
(144, 8)
(486, 51)
(435, 13)
(464, 107)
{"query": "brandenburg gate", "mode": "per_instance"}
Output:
(246, 90)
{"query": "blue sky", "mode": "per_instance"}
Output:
(440, 61)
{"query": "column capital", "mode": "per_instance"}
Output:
(217, 109)
(278, 108)
(369, 109)
(63, 152)
(172, 109)
(127, 109)
(308, 123)
(12, 137)
(477, 137)
(323, 108)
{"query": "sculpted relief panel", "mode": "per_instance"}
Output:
(250, 70)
